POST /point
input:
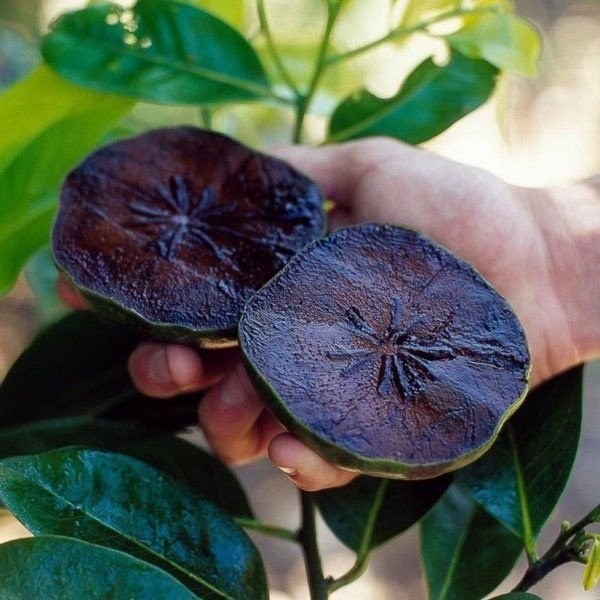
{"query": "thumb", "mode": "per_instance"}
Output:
(337, 169)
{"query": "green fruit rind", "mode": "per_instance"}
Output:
(337, 453)
(116, 312)
(173, 230)
(350, 461)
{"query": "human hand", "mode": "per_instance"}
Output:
(528, 243)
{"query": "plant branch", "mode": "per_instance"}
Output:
(272, 530)
(567, 547)
(539, 569)
(401, 32)
(281, 68)
(362, 556)
(307, 536)
(304, 100)
(570, 532)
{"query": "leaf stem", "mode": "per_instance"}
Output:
(401, 32)
(307, 536)
(304, 100)
(206, 117)
(364, 551)
(266, 30)
(272, 530)
(528, 537)
(567, 547)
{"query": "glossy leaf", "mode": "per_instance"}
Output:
(466, 552)
(77, 366)
(74, 367)
(431, 99)
(41, 142)
(179, 459)
(42, 99)
(591, 573)
(161, 51)
(504, 40)
(57, 567)
(119, 502)
(521, 478)
(370, 511)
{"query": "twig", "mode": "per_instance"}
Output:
(568, 547)
(307, 536)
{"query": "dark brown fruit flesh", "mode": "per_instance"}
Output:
(386, 353)
(175, 229)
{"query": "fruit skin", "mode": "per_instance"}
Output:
(113, 312)
(172, 231)
(337, 452)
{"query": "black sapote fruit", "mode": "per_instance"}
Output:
(385, 353)
(175, 229)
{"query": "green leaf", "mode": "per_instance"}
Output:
(370, 511)
(521, 478)
(431, 99)
(119, 502)
(42, 140)
(132, 406)
(77, 367)
(232, 11)
(74, 367)
(58, 567)
(179, 459)
(505, 40)
(517, 596)
(34, 104)
(466, 552)
(591, 573)
(160, 51)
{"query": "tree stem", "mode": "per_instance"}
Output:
(567, 547)
(307, 536)
(539, 569)
(304, 100)
(264, 25)
(401, 32)
(364, 551)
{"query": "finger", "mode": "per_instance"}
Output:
(235, 421)
(69, 295)
(338, 169)
(304, 467)
(166, 370)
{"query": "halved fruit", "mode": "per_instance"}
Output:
(175, 229)
(385, 353)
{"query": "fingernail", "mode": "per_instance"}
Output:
(158, 369)
(289, 471)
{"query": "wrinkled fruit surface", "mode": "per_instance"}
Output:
(386, 353)
(175, 229)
